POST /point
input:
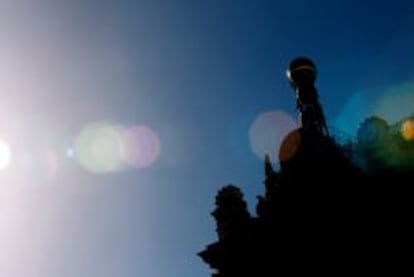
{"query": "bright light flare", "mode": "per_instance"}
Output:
(70, 153)
(5, 155)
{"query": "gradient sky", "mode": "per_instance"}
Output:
(208, 78)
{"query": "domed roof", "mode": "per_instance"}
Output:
(299, 67)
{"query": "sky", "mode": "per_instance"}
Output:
(120, 120)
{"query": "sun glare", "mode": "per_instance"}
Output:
(5, 155)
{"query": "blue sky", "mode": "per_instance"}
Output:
(196, 73)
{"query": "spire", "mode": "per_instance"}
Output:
(302, 75)
(268, 167)
(271, 176)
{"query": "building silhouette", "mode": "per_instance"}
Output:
(331, 208)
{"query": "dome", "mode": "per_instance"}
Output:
(301, 69)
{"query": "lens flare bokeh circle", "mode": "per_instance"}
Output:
(99, 147)
(107, 147)
(290, 146)
(268, 131)
(396, 103)
(407, 130)
(141, 146)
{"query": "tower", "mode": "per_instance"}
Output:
(319, 207)
(302, 76)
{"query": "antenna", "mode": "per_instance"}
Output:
(302, 75)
